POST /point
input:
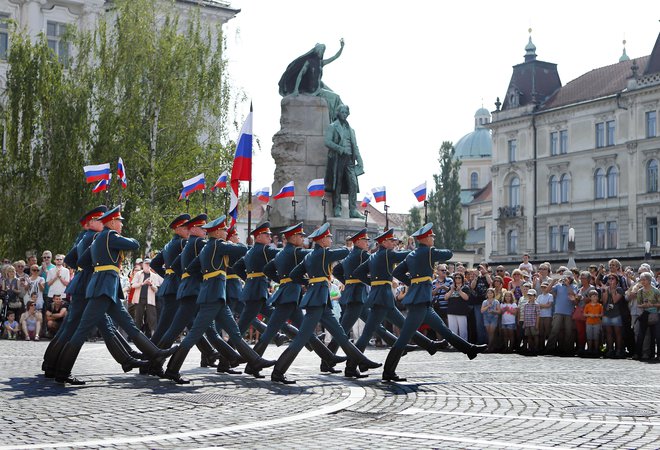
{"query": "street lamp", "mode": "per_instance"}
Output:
(571, 248)
(647, 251)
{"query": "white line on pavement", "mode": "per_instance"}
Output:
(412, 411)
(487, 443)
(355, 395)
(559, 399)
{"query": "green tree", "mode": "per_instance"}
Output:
(445, 201)
(414, 221)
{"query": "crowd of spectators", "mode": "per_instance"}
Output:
(603, 311)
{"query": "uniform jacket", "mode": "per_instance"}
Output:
(107, 250)
(78, 284)
(164, 260)
(317, 264)
(217, 255)
(189, 286)
(280, 268)
(419, 264)
(254, 261)
(353, 292)
(234, 284)
(377, 268)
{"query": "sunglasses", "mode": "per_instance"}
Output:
(45, 257)
(34, 270)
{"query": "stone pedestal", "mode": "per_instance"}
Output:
(300, 155)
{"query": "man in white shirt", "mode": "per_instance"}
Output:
(57, 278)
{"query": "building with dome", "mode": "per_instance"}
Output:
(581, 156)
(474, 150)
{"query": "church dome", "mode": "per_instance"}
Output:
(477, 144)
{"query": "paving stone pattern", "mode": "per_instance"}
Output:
(495, 401)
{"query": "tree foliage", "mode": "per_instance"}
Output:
(414, 221)
(445, 201)
(145, 85)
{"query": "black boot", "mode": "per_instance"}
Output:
(50, 357)
(226, 350)
(252, 357)
(209, 355)
(292, 332)
(65, 364)
(475, 350)
(325, 353)
(119, 353)
(150, 350)
(352, 371)
(391, 362)
(135, 354)
(259, 349)
(356, 355)
(280, 339)
(225, 367)
(327, 368)
(283, 363)
(427, 344)
(174, 366)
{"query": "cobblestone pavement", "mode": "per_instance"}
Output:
(495, 401)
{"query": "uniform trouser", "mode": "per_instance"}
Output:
(423, 313)
(184, 315)
(314, 315)
(170, 305)
(279, 316)
(482, 336)
(250, 311)
(354, 311)
(76, 309)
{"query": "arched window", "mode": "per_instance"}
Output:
(553, 188)
(599, 183)
(512, 242)
(514, 192)
(612, 181)
(564, 187)
(474, 180)
(652, 176)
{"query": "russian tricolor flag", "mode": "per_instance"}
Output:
(379, 194)
(197, 183)
(286, 191)
(121, 173)
(97, 172)
(316, 188)
(222, 181)
(365, 201)
(263, 194)
(242, 168)
(420, 192)
(101, 186)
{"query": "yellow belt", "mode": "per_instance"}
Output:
(185, 275)
(318, 280)
(214, 274)
(232, 276)
(420, 280)
(106, 268)
(285, 280)
(353, 281)
(256, 275)
(80, 269)
(381, 283)
(169, 272)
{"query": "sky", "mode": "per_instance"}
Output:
(414, 72)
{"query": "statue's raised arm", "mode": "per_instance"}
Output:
(341, 49)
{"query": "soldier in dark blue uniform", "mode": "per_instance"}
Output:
(212, 264)
(163, 265)
(354, 296)
(285, 299)
(117, 345)
(316, 302)
(377, 272)
(234, 283)
(416, 271)
(104, 296)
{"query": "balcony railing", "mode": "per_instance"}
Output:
(508, 212)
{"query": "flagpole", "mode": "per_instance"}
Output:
(366, 215)
(323, 202)
(249, 230)
(226, 195)
(187, 205)
(206, 210)
(268, 208)
(426, 215)
(293, 203)
(387, 220)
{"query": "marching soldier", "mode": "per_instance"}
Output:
(115, 342)
(104, 296)
(212, 264)
(316, 303)
(416, 271)
(285, 299)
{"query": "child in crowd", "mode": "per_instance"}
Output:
(490, 308)
(545, 302)
(530, 313)
(10, 326)
(593, 312)
(521, 343)
(509, 314)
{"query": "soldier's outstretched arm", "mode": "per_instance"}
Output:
(271, 271)
(362, 272)
(122, 243)
(400, 272)
(176, 265)
(336, 254)
(441, 254)
(195, 266)
(298, 274)
(338, 273)
(71, 258)
(235, 252)
(397, 256)
(239, 268)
